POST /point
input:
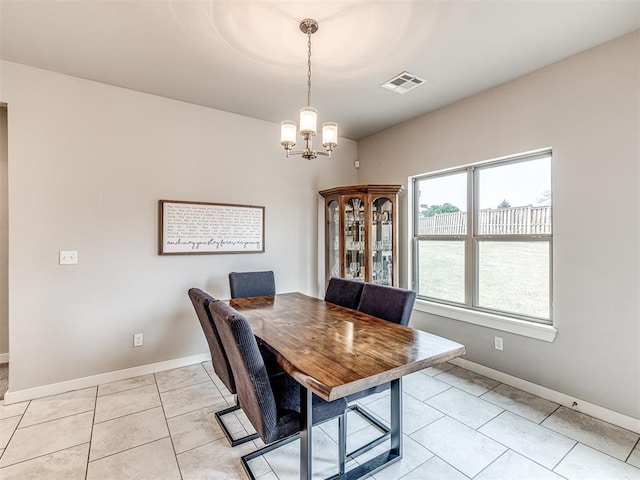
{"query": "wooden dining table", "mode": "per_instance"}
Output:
(334, 351)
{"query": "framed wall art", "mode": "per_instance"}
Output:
(187, 228)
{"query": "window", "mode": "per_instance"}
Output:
(483, 237)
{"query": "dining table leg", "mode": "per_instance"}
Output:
(396, 417)
(306, 440)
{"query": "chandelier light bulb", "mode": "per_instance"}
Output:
(288, 133)
(329, 135)
(308, 121)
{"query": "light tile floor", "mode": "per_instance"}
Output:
(457, 425)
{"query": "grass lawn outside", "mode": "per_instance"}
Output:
(513, 276)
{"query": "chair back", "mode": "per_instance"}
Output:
(252, 380)
(252, 284)
(201, 301)
(344, 292)
(389, 303)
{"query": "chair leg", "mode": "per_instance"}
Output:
(261, 451)
(233, 441)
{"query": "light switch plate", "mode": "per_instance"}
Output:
(68, 257)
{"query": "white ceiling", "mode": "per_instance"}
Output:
(249, 57)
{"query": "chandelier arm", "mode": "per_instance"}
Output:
(303, 152)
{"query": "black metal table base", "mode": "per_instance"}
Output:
(370, 467)
(376, 422)
(392, 433)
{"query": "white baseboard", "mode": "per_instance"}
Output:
(596, 411)
(93, 380)
(4, 358)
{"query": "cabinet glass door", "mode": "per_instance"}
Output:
(333, 238)
(382, 241)
(354, 262)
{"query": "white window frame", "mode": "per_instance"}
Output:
(513, 323)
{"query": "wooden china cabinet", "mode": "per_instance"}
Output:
(361, 233)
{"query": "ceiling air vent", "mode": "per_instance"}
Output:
(403, 82)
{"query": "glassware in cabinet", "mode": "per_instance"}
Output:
(333, 238)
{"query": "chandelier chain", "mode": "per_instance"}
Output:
(309, 67)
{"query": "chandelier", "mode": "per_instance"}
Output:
(308, 114)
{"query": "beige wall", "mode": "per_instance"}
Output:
(88, 163)
(587, 109)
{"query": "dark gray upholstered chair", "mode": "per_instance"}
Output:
(252, 284)
(271, 404)
(344, 292)
(394, 305)
(255, 284)
(201, 301)
(389, 303)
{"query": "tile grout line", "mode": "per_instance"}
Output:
(197, 446)
(127, 414)
(587, 445)
(4, 451)
(93, 420)
(54, 419)
(22, 417)
(26, 460)
(493, 418)
(190, 411)
(128, 449)
(444, 461)
(166, 421)
(267, 462)
(186, 386)
(6, 447)
(635, 445)
(183, 386)
(499, 457)
(549, 430)
(224, 397)
(522, 417)
(475, 384)
(124, 389)
(562, 459)
(491, 389)
(548, 416)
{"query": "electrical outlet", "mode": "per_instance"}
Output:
(498, 343)
(68, 257)
(138, 340)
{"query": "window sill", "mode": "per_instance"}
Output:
(546, 333)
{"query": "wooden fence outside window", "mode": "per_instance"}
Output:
(527, 220)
